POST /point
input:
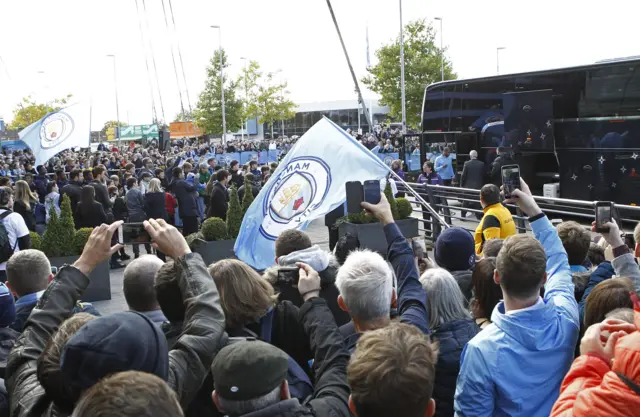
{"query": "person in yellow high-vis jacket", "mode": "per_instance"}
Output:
(496, 222)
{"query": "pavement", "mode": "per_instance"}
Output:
(317, 231)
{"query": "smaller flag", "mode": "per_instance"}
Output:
(57, 131)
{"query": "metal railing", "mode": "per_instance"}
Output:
(438, 198)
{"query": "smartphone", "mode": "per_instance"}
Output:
(510, 179)
(604, 215)
(54, 270)
(355, 196)
(133, 233)
(372, 191)
(289, 275)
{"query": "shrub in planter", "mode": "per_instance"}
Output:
(60, 233)
(234, 213)
(392, 201)
(248, 198)
(214, 228)
(36, 241)
(191, 239)
(404, 208)
(80, 239)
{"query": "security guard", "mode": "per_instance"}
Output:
(496, 222)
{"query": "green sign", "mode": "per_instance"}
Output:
(138, 132)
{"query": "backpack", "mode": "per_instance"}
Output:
(5, 244)
(300, 385)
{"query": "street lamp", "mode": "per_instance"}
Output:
(498, 49)
(441, 47)
(246, 97)
(115, 82)
(224, 119)
(404, 106)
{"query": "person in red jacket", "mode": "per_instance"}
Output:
(605, 379)
(171, 204)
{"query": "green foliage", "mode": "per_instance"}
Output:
(234, 213)
(422, 61)
(60, 233)
(247, 198)
(358, 218)
(191, 239)
(267, 98)
(80, 239)
(109, 128)
(208, 112)
(214, 228)
(36, 241)
(404, 208)
(392, 201)
(28, 111)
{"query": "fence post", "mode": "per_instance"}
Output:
(436, 227)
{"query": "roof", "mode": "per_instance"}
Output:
(341, 105)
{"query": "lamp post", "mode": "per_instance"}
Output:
(246, 98)
(115, 82)
(224, 120)
(441, 47)
(498, 49)
(402, 92)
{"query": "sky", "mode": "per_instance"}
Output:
(51, 48)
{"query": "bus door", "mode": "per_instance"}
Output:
(459, 143)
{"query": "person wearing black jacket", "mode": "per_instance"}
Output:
(154, 201)
(136, 342)
(73, 189)
(236, 177)
(120, 212)
(41, 182)
(249, 179)
(89, 213)
(102, 194)
(473, 176)
(219, 200)
(504, 158)
(187, 205)
(247, 370)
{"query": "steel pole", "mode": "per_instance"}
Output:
(115, 82)
(402, 89)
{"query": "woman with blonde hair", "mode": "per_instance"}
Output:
(24, 204)
(248, 301)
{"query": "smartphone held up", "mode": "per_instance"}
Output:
(133, 234)
(510, 179)
(358, 193)
(604, 215)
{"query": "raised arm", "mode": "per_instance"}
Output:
(192, 355)
(623, 263)
(412, 299)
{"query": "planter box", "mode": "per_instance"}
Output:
(371, 236)
(215, 251)
(99, 288)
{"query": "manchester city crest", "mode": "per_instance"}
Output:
(388, 160)
(55, 128)
(300, 187)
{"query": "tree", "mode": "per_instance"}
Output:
(247, 198)
(28, 111)
(188, 116)
(266, 99)
(109, 128)
(208, 112)
(422, 66)
(234, 213)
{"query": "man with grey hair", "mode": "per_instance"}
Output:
(138, 287)
(365, 282)
(473, 176)
(28, 275)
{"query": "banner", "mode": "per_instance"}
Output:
(138, 132)
(57, 131)
(308, 184)
(179, 130)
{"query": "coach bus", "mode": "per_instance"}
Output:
(579, 127)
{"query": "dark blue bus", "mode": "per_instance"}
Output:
(577, 126)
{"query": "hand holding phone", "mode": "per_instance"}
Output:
(510, 179)
(372, 191)
(288, 275)
(604, 215)
(133, 233)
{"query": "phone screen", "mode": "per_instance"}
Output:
(289, 275)
(603, 215)
(355, 196)
(372, 191)
(133, 233)
(510, 179)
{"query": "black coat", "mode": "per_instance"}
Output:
(155, 205)
(184, 192)
(74, 191)
(102, 197)
(218, 202)
(236, 178)
(496, 168)
(92, 216)
(120, 211)
(473, 174)
(255, 190)
(452, 338)
(27, 214)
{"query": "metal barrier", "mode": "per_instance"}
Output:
(438, 198)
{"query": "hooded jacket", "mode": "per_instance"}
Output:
(189, 360)
(594, 387)
(327, 267)
(515, 366)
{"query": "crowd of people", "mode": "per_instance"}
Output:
(495, 323)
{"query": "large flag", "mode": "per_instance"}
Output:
(308, 184)
(63, 129)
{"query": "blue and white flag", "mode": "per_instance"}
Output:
(308, 184)
(63, 129)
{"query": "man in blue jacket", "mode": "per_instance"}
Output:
(515, 366)
(444, 166)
